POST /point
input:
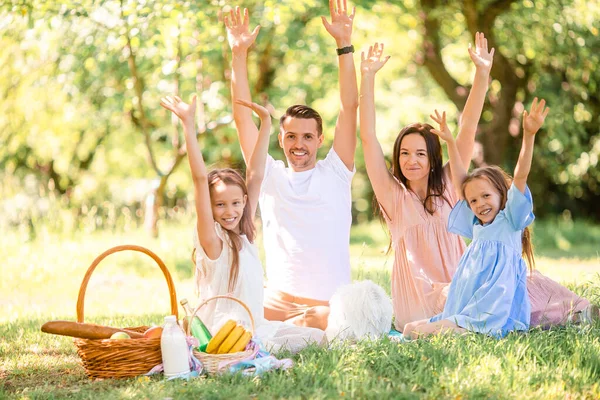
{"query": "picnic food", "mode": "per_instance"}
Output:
(231, 338)
(84, 330)
(242, 342)
(198, 329)
(173, 348)
(153, 332)
(120, 336)
(216, 341)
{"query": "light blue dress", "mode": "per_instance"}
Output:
(488, 293)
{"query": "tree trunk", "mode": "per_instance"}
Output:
(151, 205)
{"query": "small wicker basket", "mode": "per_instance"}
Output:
(106, 358)
(211, 362)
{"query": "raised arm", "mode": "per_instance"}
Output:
(255, 170)
(377, 170)
(482, 58)
(459, 172)
(532, 122)
(240, 39)
(340, 28)
(205, 226)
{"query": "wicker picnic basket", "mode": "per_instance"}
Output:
(211, 362)
(106, 358)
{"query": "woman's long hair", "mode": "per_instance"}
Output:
(436, 186)
(232, 177)
(501, 181)
(435, 182)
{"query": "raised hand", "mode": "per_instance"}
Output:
(261, 111)
(238, 31)
(341, 23)
(185, 112)
(444, 132)
(534, 120)
(372, 62)
(481, 57)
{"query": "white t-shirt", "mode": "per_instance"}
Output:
(212, 279)
(306, 220)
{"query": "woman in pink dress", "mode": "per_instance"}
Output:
(417, 195)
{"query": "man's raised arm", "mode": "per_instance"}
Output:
(240, 39)
(340, 28)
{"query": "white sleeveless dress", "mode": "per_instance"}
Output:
(212, 279)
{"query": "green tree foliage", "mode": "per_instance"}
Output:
(548, 49)
(81, 83)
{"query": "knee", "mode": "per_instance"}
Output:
(315, 317)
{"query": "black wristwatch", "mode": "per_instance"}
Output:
(345, 50)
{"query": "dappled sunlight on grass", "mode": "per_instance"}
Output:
(559, 363)
(42, 280)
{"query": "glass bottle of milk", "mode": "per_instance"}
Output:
(174, 349)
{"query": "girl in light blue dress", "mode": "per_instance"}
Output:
(488, 293)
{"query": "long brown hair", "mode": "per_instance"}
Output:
(436, 186)
(232, 177)
(501, 181)
(435, 182)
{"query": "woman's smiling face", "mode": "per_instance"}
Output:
(414, 160)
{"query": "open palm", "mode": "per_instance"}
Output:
(373, 62)
(185, 112)
(481, 57)
(534, 120)
(444, 132)
(340, 26)
(261, 111)
(238, 30)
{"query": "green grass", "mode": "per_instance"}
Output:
(40, 282)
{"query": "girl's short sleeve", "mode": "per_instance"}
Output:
(461, 220)
(519, 208)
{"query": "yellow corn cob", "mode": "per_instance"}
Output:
(242, 342)
(216, 341)
(233, 337)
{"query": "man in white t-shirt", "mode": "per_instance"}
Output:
(306, 207)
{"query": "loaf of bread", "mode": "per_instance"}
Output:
(84, 331)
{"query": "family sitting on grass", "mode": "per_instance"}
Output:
(438, 284)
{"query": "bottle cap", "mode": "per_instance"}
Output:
(170, 318)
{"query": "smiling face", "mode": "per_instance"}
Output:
(413, 159)
(483, 199)
(228, 202)
(300, 141)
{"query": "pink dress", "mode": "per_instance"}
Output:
(426, 257)
(551, 303)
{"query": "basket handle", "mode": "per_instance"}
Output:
(116, 249)
(189, 325)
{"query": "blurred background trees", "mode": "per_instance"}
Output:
(85, 144)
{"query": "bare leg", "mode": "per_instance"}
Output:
(313, 317)
(411, 326)
(431, 328)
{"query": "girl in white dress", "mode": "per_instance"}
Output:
(227, 261)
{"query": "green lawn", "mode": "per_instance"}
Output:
(40, 282)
